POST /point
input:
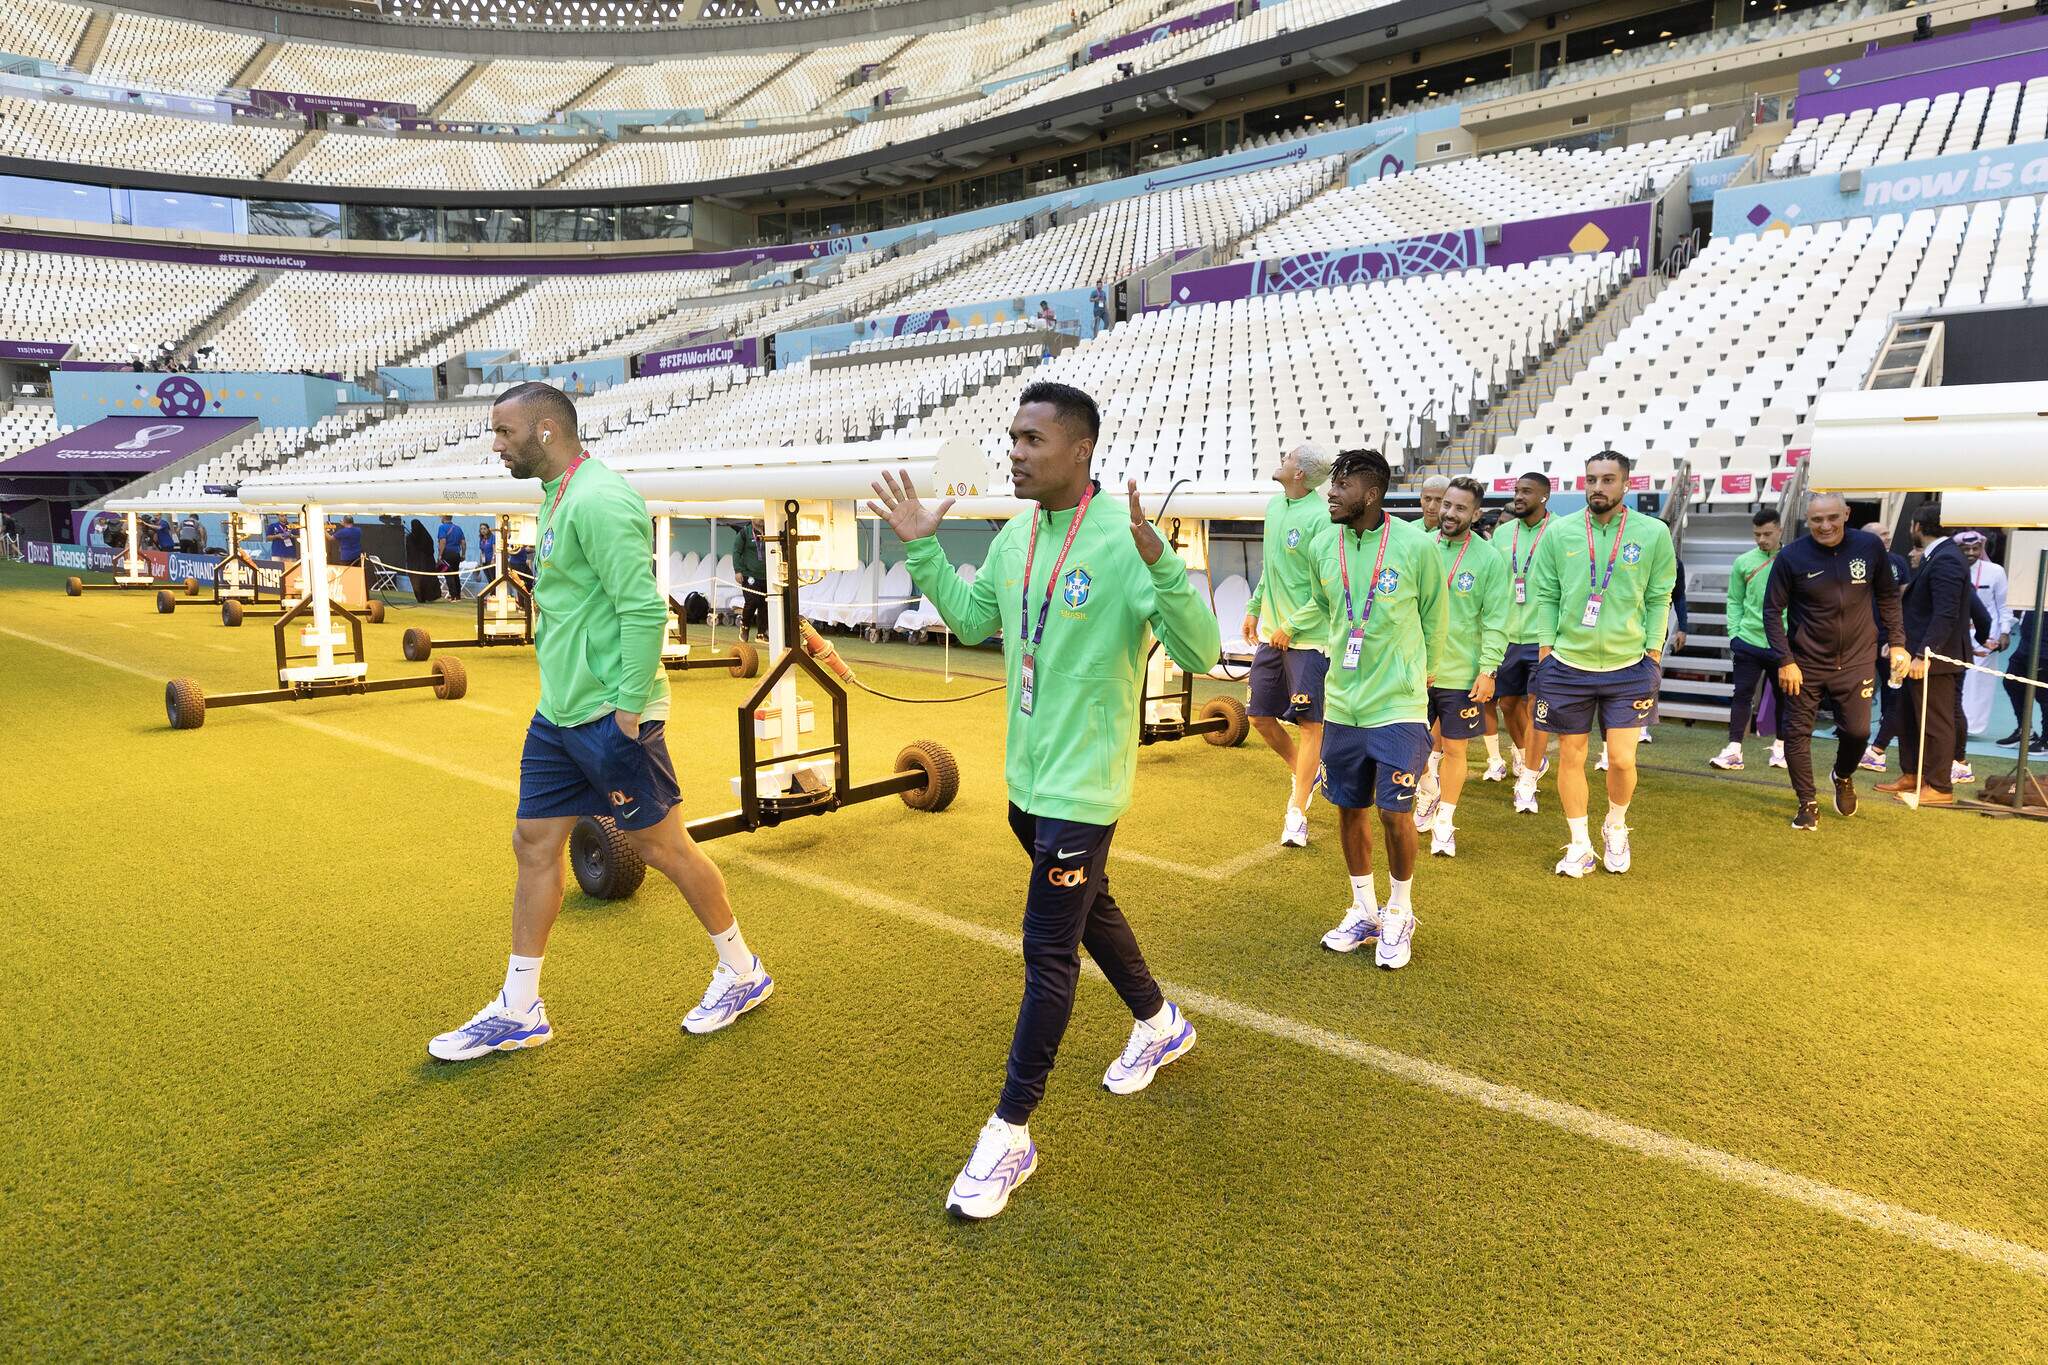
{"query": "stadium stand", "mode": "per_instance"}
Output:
(98, 135)
(302, 320)
(363, 73)
(440, 163)
(1955, 121)
(107, 307)
(708, 83)
(523, 92)
(163, 54)
(811, 81)
(669, 160)
(43, 29)
(1478, 190)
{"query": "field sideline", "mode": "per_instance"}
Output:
(223, 1136)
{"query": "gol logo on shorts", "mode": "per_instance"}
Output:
(1644, 704)
(1302, 699)
(1060, 876)
(1468, 712)
(621, 799)
(1868, 688)
(1403, 779)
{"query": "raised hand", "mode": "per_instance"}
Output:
(905, 512)
(1150, 546)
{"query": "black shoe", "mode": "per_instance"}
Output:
(2039, 746)
(2010, 739)
(1845, 796)
(1808, 819)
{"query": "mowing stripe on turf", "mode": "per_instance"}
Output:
(1575, 1119)
(1571, 1118)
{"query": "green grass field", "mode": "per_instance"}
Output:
(222, 1135)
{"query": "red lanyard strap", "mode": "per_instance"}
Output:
(563, 486)
(1521, 570)
(1451, 579)
(1372, 589)
(1031, 552)
(1599, 583)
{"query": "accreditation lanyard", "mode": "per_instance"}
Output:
(547, 530)
(1451, 579)
(1597, 582)
(1354, 643)
(1027, 673)
(1520, 568)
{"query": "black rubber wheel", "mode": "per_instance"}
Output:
(606, 866)
(376, 611)
(417, 644)
(184, 704)
(873, 635)
(454, 679)
(920, 637)
(166, 602)
(191, 587)
(746, 660)
(941, 775)
(1233, 710)
(74, 587)
(231, 613)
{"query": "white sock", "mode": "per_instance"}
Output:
(1161, 1021)
(1435, 761)
(1446, 813)
(732, 950)
(1361, 893)
(1397, 893)
(1617, 816)
(522, 982)
(1492, 748)
(1580, 839)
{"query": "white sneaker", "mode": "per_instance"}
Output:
(1578, 861)
(1427, 798)
(1358, 928)
(1443, 841)
(1396, 937)
(1147, 1051)
(1616, 839)
(1004, 1158)
(1601, 766)
(1959, 773)
(1515, 764)
(1873, 760)
(1525, 798)
(728, 997)
(1777, 753)
(1729, 760)
(495, 1028)
(1294, 830)
(1496, 771)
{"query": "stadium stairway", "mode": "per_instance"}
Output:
(1696, 684)
(294, 154)
(597, 148)
(456, 91)
(229, 310)
(758, 86)
(1570, 354)
(258, 63)
(93, 41)
(413, 355)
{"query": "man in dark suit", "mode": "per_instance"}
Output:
(1937, 617)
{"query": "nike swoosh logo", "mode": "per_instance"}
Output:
(1816, 573)
(1075, 854)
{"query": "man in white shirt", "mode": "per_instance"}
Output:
(1987, 580)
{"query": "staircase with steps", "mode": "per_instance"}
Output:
(412, 354)
(294, 154)
(757, 87)
(1696, 684)
(562, 176)
(455, 91)
(258, 63)
(93, 41)
(216, 321)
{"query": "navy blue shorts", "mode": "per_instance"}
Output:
(593, 769)
(1457, 716)
(1516, 670)
(1288, 684)
(1567, 698)
(1374, 765)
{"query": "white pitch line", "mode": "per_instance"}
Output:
(1577, 1120)
(1221, 872)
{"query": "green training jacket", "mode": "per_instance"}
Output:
(1404, 637)
(1747, 578)
(1636, 606)
(1518, 544)
(1476, 587)
(601, 618)
(1074, 756)
(1295, 529)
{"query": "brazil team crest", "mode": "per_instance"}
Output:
(1293, 537)
(1464, 581)
(1074, 588)
(1388, 581)
(1631, 552)
(1858, 570)
(547, 544)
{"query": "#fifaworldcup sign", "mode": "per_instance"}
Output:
(744, 351)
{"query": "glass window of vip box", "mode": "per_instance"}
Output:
(293, 218)
(587, 224)
(486, 225)
(647, 222)
(389, 223)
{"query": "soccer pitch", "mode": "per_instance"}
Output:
(1768, 1095)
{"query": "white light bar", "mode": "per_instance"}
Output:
(396, 490)
(1184, 506)
(203, 502)
(827, 473)
(1970, 436)
(2007, 507)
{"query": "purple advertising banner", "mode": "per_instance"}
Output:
(335, 104)
(1187, 23)
(345, 262)
(125, 445)
(1617, 230)
(1988, 53)
(743, 351)
(37, 352)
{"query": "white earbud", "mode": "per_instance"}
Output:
(546, 436)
